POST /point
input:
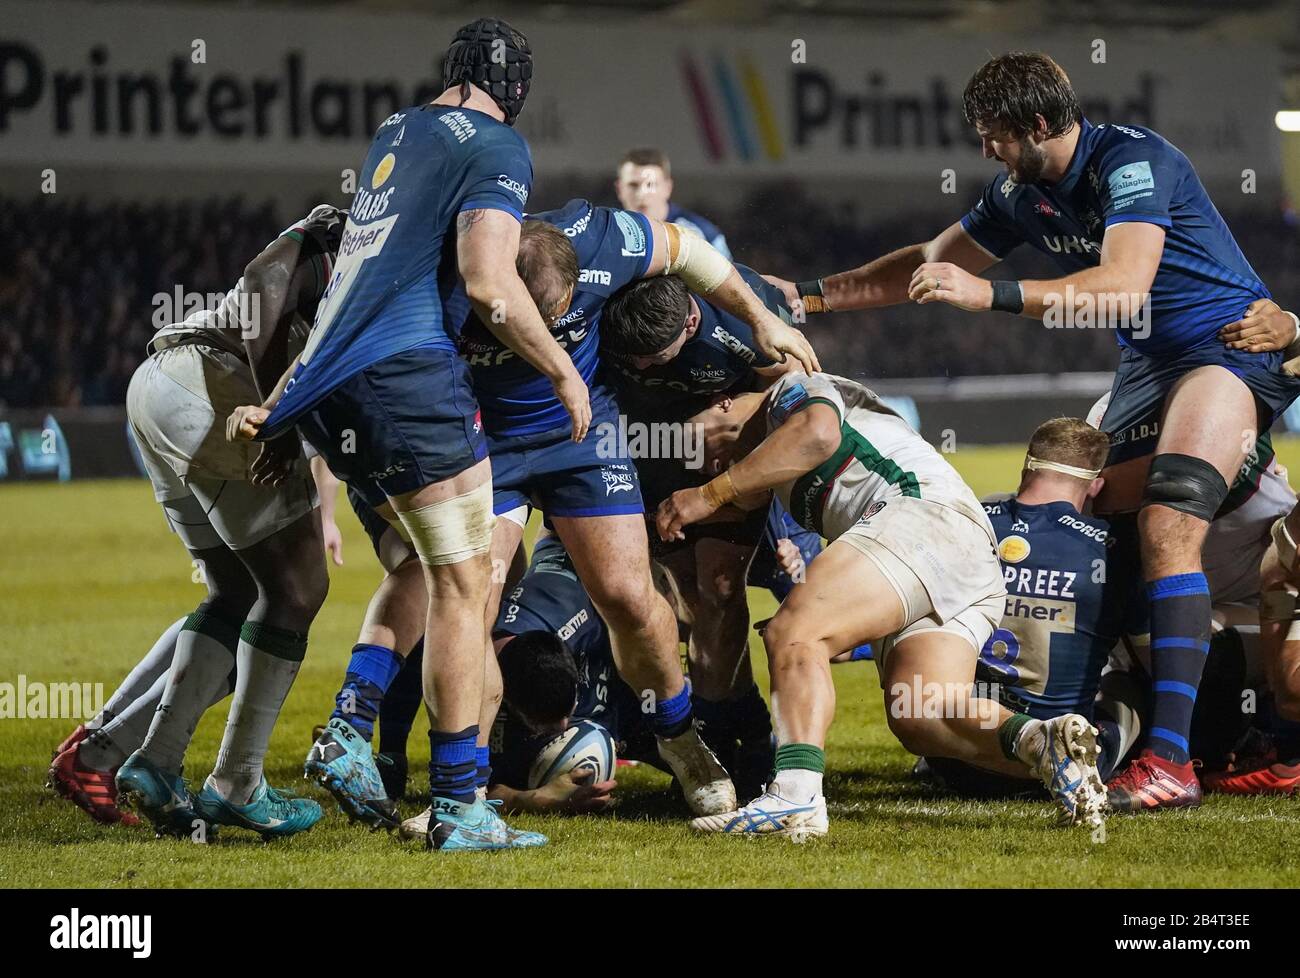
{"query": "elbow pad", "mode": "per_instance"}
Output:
(700, 265)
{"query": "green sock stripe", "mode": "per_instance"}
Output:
(215, 626)
(803, 757)
(1009, 731)
(279, 642)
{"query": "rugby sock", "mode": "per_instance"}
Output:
(453, 764)
(1180, 641)
(269, 659)
(799, 770)
(673, 715)
(143, 677)
(483, 763)
(205, 654)
(370, 672)
(1016, 746)
(401, 704)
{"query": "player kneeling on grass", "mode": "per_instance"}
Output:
(247, 515)
(911, 566)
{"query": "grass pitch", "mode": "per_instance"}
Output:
(90, 575)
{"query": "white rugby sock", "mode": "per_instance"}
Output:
(1030, 741)
(200, 668)
(265, 678)
(141, 679)
(797, 784)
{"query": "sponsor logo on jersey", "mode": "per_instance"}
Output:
(1043, 207)
(367, 206)
(872, 510)
(1058, 613)
(705, 375)
(1008, 185)
(595, 276)
(1019, 526)
(580, 225)
(383, 171)
(1127, 131)
(1065, 244)
(787, 401)
(633, 236)
(618, 478)
(517, 188)
(570, 627)
(1013, 549)
(393, 119)
(1084, 527)
(459, 124)
(1133, 178)
(733, 344)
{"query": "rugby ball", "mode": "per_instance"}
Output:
(586, 745)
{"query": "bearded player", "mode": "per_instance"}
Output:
(1124, 216)
(911, 568)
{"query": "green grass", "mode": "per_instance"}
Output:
(89, 576)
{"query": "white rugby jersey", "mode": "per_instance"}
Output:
(879, 457)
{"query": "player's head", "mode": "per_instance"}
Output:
(644, 182)
(1064, 461)
(721, 426)
(649, 320)
(495, 57)
(539, 679)
(1017, 102)
(549, 267)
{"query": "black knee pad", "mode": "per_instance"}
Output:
(1188, 484)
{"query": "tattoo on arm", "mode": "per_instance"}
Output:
(467, 219)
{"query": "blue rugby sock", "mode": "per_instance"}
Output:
(1180, 641)
(453, 764)
(673, 715)
(482, 762)
(370, 672)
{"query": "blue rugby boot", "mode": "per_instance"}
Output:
(268, 813)
(342, 762)
(162, 798)
(460, 827)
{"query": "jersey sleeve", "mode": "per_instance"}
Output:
(989, 222)
(626, 247)
(1137, 179)
(500, 178)
(796, 392)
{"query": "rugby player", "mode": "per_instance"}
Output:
(1141, 247)
(1062, 616)
(589, 490)
(382, 395)
(247, 515)
(644, 184)
(911, 563)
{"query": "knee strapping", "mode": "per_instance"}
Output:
(1188, 484)
(452, 530)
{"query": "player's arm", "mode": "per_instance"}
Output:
(1121, 283)
(803, 442)
(575, 791)
(275, 281)
(327, 489)
(706, 271)
(487, 241)
(886, 280)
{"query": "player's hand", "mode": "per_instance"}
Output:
(681, 509)
(577, 791)
(789, 558)
(777, 341)
(941, 281)
(1264, 327)
(573, 394)
(275, 461)
(245, 422)
(333, 541)
(788, 289)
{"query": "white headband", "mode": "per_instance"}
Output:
(1034, 464)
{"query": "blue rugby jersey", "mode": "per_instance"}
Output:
(395, 287)
(1062, 618)
(709, 231)
(1128, 173)
(614, 247)
(721, 356)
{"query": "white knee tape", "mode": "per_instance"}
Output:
(453, 530)
(1285, 545)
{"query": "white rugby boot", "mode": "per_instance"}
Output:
(1063, 753)
(705, 782)
(771, 814)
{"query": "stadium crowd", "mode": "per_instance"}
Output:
(78, 283)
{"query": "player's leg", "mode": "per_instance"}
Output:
(1197, 457)
(507, 537)
(612, 557)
